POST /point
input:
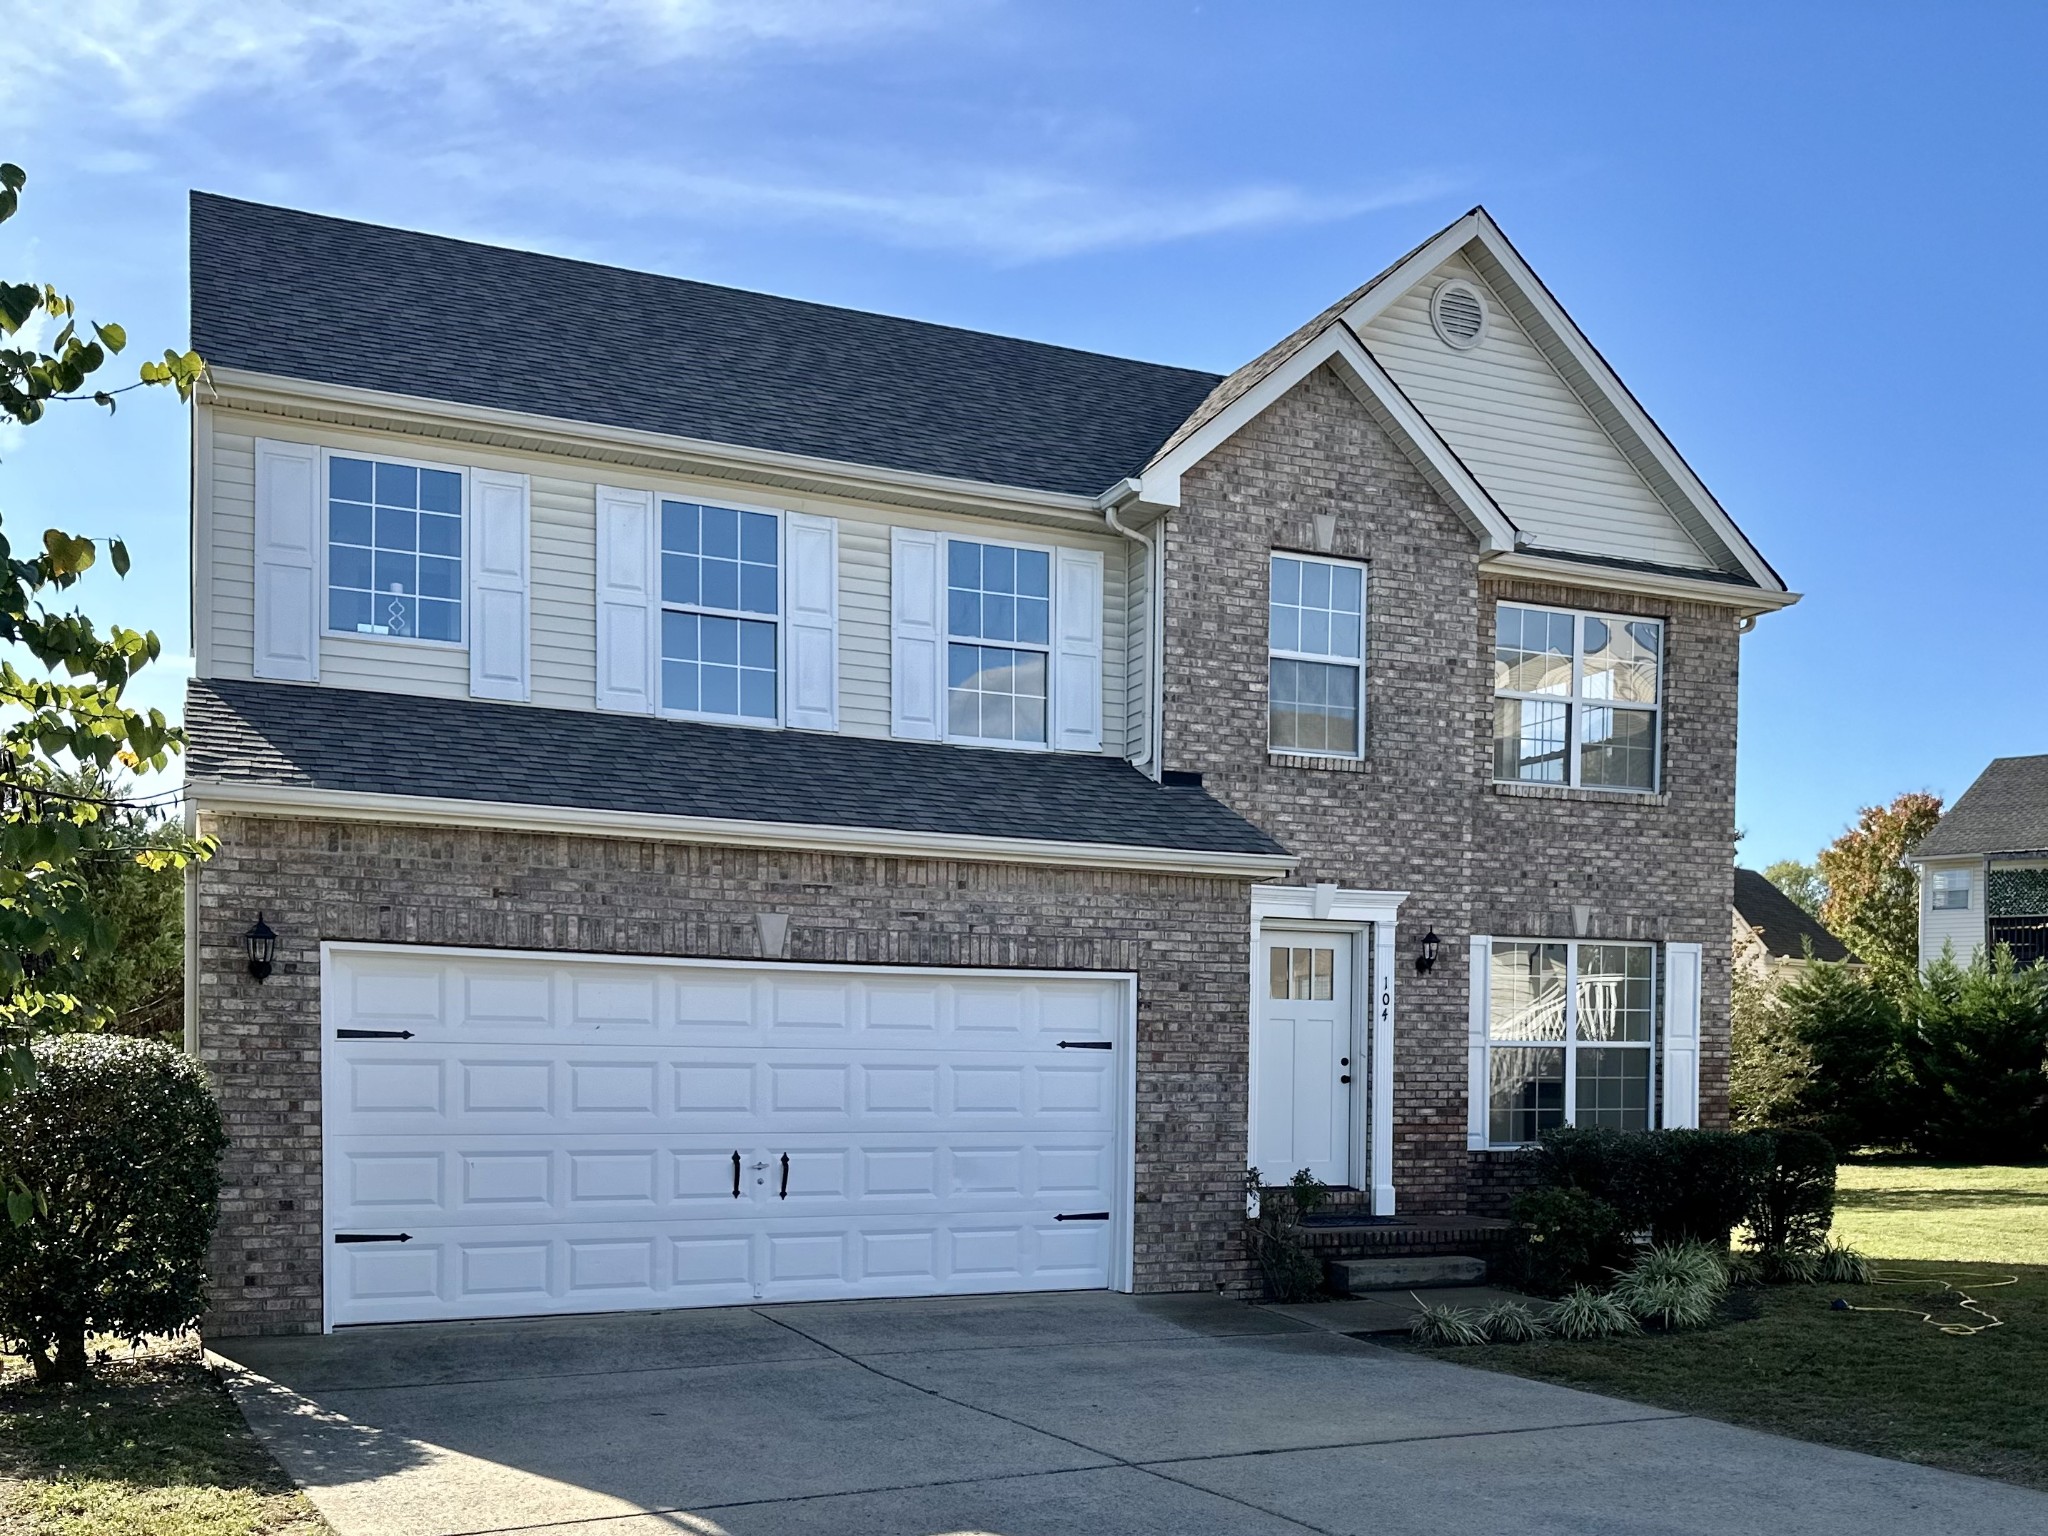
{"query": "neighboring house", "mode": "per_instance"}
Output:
(1984, 867)
(764, 801)
(1774, 934)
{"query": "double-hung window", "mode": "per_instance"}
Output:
(998, 642)
(721, 605)
(1316, 661)
(394, 549)
(1570, 1037)
(1576, 698)
(1951, 890)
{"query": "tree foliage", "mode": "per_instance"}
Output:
(1873, 901)
(1819, 1052)
(1801, 882)
(1975, 1052)
(71, 717)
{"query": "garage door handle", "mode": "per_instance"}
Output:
(735, 1175)
(373, 1237)
(373, 1034)
(1085, 1045)
(1083, 1216)
(785, 1177)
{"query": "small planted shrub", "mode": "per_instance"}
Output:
(1563, 1237)
(1680, 1286)
(120, 1142)
(1790, 1266)
(1445, 1325)
(1792, 1203)
(1509, 1322)
(1677, 1185)
(1584, 1313)
(1842, 1265)
(1289, 1267)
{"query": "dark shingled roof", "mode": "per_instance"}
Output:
(2005, 811)
(468, 749)
(1783, 925)
(337, 302)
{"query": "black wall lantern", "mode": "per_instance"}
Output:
(1427, 958)
(262, 948)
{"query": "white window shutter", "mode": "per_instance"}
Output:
(499, 569)
(810, 672)
(288, 525)
(1681, 1035)
(628, 604)
(918, 647)
(1478, 1092)
(1077, 646)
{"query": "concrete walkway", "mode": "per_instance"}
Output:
(1091, 1414)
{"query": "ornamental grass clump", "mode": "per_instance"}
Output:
(1842, 1265)
(1434, 1324)
(1509, 1322)
(1584, 1313)
(1676, 1286)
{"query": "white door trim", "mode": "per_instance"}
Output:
(1370, 916)
(1122, 1248)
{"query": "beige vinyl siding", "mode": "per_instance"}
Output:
(1523, 432)
(1961, 926)
(564, 559)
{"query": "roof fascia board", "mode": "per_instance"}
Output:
(1577, 573)
(283, 799)
(1425, 260)
(1647, 435)
(1160, 483)
(241, 389)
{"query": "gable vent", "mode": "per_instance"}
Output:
(1459, 314)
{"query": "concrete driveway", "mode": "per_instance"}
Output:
(1091, 1414)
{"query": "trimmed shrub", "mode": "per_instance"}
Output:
(1679, 1186)
(1974, 1051)
(1680, 1286)
(1820, 1052)
(1584, 1313)
(1793, 1204)
(1509, 1322)
(120, 1142)
(1563, 1238)
(1434, 1324)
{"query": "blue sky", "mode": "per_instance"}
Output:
(1805, 234)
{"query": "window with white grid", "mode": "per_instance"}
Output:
(1576, 698)
(1316, 663)
(1570, 1037)
(999, 641)
(721, 602)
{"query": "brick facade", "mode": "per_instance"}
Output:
(1420, 813)
(1185, 937)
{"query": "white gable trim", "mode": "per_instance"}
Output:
(1620, 578)
(1395, 412)
(1639, 438)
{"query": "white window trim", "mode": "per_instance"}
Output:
(1577, 703)
(1934, 890)
(947, 639)
(1274, 653)
(663, 605)
(327, 456)
(1570, 1044)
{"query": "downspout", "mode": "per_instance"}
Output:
(1155, 560)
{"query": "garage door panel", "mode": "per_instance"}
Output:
(558, 1135)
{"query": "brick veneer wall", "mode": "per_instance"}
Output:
(1420, 813)
(317, 880)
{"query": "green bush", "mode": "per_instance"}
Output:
(1289, 1267)
(1677, 1185)
(1820, 1052)
(1792, 1204)
(1563, 1238)
(120, 1142)
(1974, 1053)
(1584, 1313)
(1435, 1323)
(1680, 1286)
(1510, 1322)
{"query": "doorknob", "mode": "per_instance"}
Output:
(1345, 1078)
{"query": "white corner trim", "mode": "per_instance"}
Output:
(1160, 482)
(1535, 566)
(1325, 904)
(277, 799)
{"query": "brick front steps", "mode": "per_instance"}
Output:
(1355, 1245)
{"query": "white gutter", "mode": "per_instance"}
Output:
(875, 842)
(1119, 495)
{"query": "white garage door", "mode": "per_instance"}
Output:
(511, 1135)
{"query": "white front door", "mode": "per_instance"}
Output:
(1305, 1057)
(530, 1134)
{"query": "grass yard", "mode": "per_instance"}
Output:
(1878, 1381)
(154, 1447)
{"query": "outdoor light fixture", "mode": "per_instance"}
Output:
(1427, 958)
(262, 948)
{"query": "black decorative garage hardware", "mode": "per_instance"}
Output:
(373, 1237)
(373, 1034)
(1085, 1045)
(1083, 1216)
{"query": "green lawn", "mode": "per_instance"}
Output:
(153, 1447)
(1879, 1381)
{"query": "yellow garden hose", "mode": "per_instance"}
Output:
(1954, 1284)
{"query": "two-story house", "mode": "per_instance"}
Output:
(1983, 870)
(722, 798)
